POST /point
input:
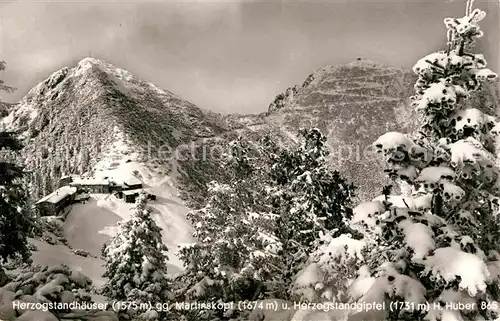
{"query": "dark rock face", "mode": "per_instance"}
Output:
(5, 108)
(282, 99)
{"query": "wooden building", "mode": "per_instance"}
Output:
(131, 183)
(131, 195)
(56, 202)
(128, 189)
(92, 186)
(114, 187)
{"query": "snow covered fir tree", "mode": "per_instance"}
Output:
(308, 197)
(435, 245)
(224, 242)
(258, 229)
(136, 264)
(16, 221)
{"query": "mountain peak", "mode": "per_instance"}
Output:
(93, 88)
(87, 63)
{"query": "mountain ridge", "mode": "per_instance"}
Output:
(352, 103)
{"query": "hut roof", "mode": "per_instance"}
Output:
(57, 195)
(133, 191)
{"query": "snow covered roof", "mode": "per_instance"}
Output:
(57, 195)
(133, 191)
(90, 182)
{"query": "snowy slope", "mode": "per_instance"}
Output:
(119, 163)
(59, 254)
(90, 225)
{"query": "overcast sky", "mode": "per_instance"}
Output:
(227, 56)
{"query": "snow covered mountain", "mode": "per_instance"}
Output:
(352, 104)
(98, 120)
(77, 115)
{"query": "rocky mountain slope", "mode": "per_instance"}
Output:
(353, 104)
(75, 116)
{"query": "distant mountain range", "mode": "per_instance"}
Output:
(77, 114)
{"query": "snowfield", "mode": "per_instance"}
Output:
(92, 224)
(86, 220)
(168, 213)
